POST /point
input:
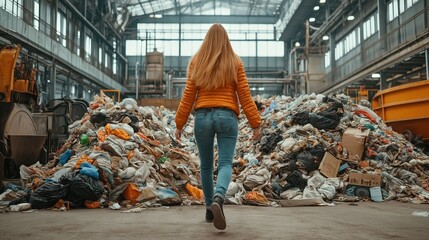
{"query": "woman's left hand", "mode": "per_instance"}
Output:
(178, 134)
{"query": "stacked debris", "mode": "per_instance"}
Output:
(116, 153)
(313, 144)
(313, 147)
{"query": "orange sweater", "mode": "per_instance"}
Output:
(221, 97)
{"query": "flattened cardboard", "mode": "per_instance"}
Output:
(362, 179)
(354, 141)
(303, 202)
(329, 165)
(376, 194)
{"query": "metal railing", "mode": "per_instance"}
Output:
(369, 54)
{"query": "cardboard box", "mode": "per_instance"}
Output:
(329, 165)
(354, 141)
(362, 179)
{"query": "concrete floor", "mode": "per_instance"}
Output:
(362, 220)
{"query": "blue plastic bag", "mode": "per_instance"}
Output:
(64, 158)
(89, 170)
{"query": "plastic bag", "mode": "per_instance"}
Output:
(301, 118)
(168, 197)
(65, 156)
(81, 188)
(324, 120)
(101, 135)
(120, 133)
(194, 191)
(256, 198)
(89, 170)
(47, 195)
(131, 193)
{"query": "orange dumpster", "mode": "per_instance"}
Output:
(405, 107)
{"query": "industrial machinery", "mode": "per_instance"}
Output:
(153, 82)
(24, 133)
(18, 94)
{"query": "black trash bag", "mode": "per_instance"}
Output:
(301, 118)
(318, 152)
(269, 142)
(334, 105)
(74, 201)
(99, 119)
(295, 179)
(324, 120)
(291, 160)
(86, 187)
(306, 160)
(47, 195)
(259, 105)
(81, 188)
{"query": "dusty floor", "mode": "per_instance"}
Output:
(366, 220)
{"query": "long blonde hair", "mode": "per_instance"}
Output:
(214, 64)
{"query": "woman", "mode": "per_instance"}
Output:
(216, 85)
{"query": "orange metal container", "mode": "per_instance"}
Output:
(405, 107)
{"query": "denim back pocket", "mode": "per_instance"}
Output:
(226, 121)
(201, 121)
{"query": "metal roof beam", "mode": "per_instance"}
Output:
(205, 19)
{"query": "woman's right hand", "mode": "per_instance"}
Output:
(256, 134)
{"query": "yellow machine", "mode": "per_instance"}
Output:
(19, 141)
(17, 78)
(361, 93)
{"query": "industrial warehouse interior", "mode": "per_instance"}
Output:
(92, 94)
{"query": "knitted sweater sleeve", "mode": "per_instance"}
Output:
(245, 98)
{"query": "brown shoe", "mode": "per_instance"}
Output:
(217, 209)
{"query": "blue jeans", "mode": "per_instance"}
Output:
(222, 123)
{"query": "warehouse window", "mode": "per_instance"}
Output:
(410, 3)
(351, 41)
(247, 39)
(88, 47)
(370, 26)
(78, 43)
(12, 6)
(115, 64)
(339, 50)
(100, 55)
(327, 59)
(393, 10)
(401, 6)
(36, 15)
(135, 48)
(268, 49)
(396, 7)
(61, 28)
(244, 48)
(106, 60)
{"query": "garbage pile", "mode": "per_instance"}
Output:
(313, 147)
